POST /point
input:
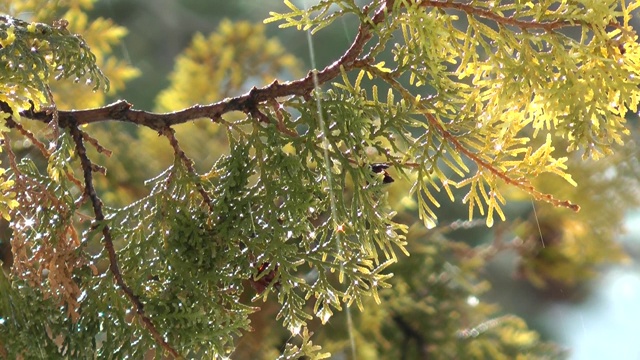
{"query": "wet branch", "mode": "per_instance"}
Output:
(503, 20)
(90, 191)
(122, 110)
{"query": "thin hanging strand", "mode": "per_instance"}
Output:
(332, 197)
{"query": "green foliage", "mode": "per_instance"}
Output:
(192, 270)
(280, 209)
(31, 52)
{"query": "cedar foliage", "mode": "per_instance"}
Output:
(167, 236)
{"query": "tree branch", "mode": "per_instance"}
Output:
(188, 163)
(520, 183)
(123, 111)
(90, 191)
(504, 20)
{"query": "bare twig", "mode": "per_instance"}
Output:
(29, 135)
(188, 163)
(93, 141)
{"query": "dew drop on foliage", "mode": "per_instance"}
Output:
(295, 329)
(391, 234)
(429, 223)
(324, 315)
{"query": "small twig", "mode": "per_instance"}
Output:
(503, 20)
(93, 141)
(87, 169)
(188, 163)
(11, 156)
(277, 110)
(55, 120)
(29, 135)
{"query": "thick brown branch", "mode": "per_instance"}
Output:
(90, 191)
(247, 103)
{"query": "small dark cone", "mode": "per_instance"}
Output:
(380, 168)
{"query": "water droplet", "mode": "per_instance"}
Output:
(324, 315)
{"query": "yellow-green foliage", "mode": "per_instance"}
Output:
(33, 52)
(100, 34)
(224, 63)
(7, 196)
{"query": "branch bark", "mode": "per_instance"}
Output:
(123, 111)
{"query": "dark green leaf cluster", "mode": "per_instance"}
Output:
(20, 303)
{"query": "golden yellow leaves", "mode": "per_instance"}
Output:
(7, 196)
(102, 35)
(9, 37)
(226, 63)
